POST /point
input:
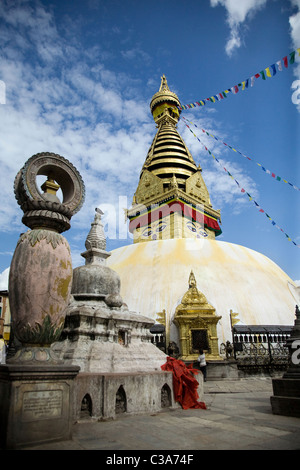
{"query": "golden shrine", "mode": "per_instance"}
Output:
(197, 323)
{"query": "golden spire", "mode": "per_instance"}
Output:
(163, 100)
(170, 175)
(168, 157)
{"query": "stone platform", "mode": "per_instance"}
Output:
(238, 417)
(36, 404)
(104, 396)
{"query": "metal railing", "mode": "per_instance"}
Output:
(258, 347)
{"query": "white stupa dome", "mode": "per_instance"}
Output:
(154, 277)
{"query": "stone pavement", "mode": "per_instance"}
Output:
(238, 417)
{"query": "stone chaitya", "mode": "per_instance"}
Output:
(120, 368)
(101, 335)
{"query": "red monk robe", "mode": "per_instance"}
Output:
(184, 383)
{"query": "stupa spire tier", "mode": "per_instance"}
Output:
(168, 156)
(171, 200)
(165, 99)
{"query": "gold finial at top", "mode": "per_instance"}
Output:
(164, 96)
(192, 280)
(164, 84)
(49, 186)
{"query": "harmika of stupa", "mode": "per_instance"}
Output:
(184, 277)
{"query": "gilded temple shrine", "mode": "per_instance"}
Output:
(197, 322)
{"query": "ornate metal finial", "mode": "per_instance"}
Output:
(165, 96)
(164, 84)
(192, 280)
(50, 189)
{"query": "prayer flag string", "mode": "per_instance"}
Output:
(269, 172)
(260, 209)
(269, 71)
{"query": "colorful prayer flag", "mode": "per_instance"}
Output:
(273, 69)
(292, 57)
(269, 71)
(250, 197)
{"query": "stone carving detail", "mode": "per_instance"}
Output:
(149, 187)
(196, 187)
(42, 209)
(96, 237)
(35, 236)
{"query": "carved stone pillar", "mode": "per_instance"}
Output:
(41, 269)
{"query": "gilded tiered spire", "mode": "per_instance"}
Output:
(164, 99)
(168, 156)
(171, 200)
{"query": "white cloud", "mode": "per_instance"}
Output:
(71, 107)
(295, 24)
(237, 13)
(295, 36)
(136, 53)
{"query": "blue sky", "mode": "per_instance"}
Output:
(77, 79)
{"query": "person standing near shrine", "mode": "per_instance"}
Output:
(202, 363)
(2, 350)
